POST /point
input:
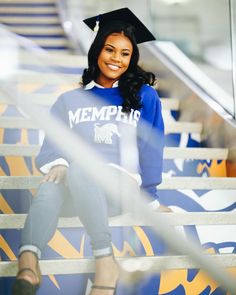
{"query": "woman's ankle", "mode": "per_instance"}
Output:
(106, 271)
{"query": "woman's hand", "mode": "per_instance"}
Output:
(56, 174)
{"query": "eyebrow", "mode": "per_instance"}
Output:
(114, 47)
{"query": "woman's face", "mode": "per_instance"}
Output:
(114, 59)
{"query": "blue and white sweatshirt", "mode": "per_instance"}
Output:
(98, 118)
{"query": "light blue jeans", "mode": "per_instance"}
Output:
(91, 206)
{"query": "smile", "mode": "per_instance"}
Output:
(113, 67)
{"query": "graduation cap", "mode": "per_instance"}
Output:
(123, 16)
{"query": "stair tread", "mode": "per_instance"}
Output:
(36, 30)
(170, 183)
(24, 10)
(27, 1)
(61, 41)
(171, 103)
(30, 20)
(86, 265)
(169, 152)
(25, 76)
(16, 221)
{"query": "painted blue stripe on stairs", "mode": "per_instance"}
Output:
(55, 47)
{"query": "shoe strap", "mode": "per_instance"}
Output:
(103, 287)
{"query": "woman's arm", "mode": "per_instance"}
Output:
(50, 155)
(151, 143)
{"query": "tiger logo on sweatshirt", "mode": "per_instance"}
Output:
(103, 133)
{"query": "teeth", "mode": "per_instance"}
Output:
(114, 68)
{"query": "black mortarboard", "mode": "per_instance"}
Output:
(123, 15)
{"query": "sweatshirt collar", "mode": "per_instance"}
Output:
(93, 84)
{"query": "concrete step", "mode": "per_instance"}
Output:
(62, 41)
(28, 77)
(170, 103)
(183, 127)
(195, 183)
(28, 30)
(16, 221)
(85, 265)
(28, 1)
(173, 127)
(169, 152)
(25, 10)
(60, 52)
(195, 153)
(172, 183)
(29, 20)
(48, 60)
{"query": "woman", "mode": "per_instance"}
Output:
(113, 74)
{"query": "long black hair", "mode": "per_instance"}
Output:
(134, 77)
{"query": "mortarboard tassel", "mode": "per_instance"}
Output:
(96, 28)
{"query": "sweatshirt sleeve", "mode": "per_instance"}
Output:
(50, 155)
(151, 141)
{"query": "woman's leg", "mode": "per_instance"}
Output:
(91, 207)
(40, 225)
(90, 203)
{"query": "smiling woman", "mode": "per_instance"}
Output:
(114, 59)
(116, 100)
